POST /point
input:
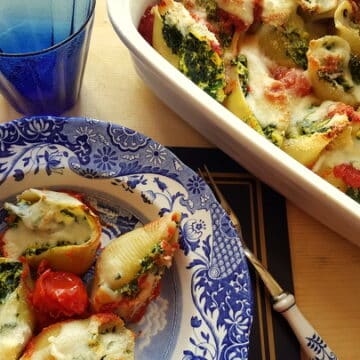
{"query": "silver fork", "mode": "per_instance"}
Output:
(283, 302)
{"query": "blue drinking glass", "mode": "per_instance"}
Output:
(43, 51)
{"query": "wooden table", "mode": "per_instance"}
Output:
(326, 267)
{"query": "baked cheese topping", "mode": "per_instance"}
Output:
(46, 219)
(268, 110)
(293, 74)
(177, 15)
(242, 9)
(277, 12)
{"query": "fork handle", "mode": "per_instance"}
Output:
(311, 342)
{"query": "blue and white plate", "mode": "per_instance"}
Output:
(205, 307)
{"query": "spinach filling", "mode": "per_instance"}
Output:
(273, 134)
(335, 79)
(243, 72)
(308, 127)
(10, 274)
(354, 193)
(172, 37)
(354, 66)
(148, 265)
(44, 247)
(197, 60)
(296, 43)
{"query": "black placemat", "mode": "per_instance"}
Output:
(262, 213)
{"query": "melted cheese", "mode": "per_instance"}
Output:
(348, 154)
(266, 111)
(177, 15)
(242, 9)
(277, 12)
(15, 329)
(305, 108)
(84, 340)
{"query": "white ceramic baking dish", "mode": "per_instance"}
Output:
(270, 164)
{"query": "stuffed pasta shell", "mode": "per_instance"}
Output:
(101, 336)
(339, 163)
(347, 23)
(329, 72)
(129, 269)
(319, 8)
(16, 314)
(190, 46)
(309, 136)
(52, 226)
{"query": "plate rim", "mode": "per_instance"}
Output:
(24, 121)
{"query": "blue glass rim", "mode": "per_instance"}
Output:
(69, 38)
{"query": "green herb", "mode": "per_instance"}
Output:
(197, 60)
(354, 193)
(296, 44)
(335, 79)
(308, 127)
(44, 247)
(148, 265)
(7, 326)
(172, 36)
(273, 134)
(130, 289)
(67, 212)
(243, 72)
(200, 63)
(10, 274)
(210, 7)
(354, 66)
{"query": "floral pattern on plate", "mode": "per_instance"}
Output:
(205, 307)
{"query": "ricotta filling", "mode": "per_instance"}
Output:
(82, 340)
(14, 329)
(53, 220)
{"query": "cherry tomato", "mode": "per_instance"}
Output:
(59, 294)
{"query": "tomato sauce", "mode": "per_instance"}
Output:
(293, 80)
(146, 25)
(349, 174)
(341, 108)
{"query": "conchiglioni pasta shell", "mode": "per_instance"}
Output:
(14, 339)
(87, 337)
(158, 41)
(344, 28)
(71, 258)
(236, 103)
(76, 258)
(120, 261)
